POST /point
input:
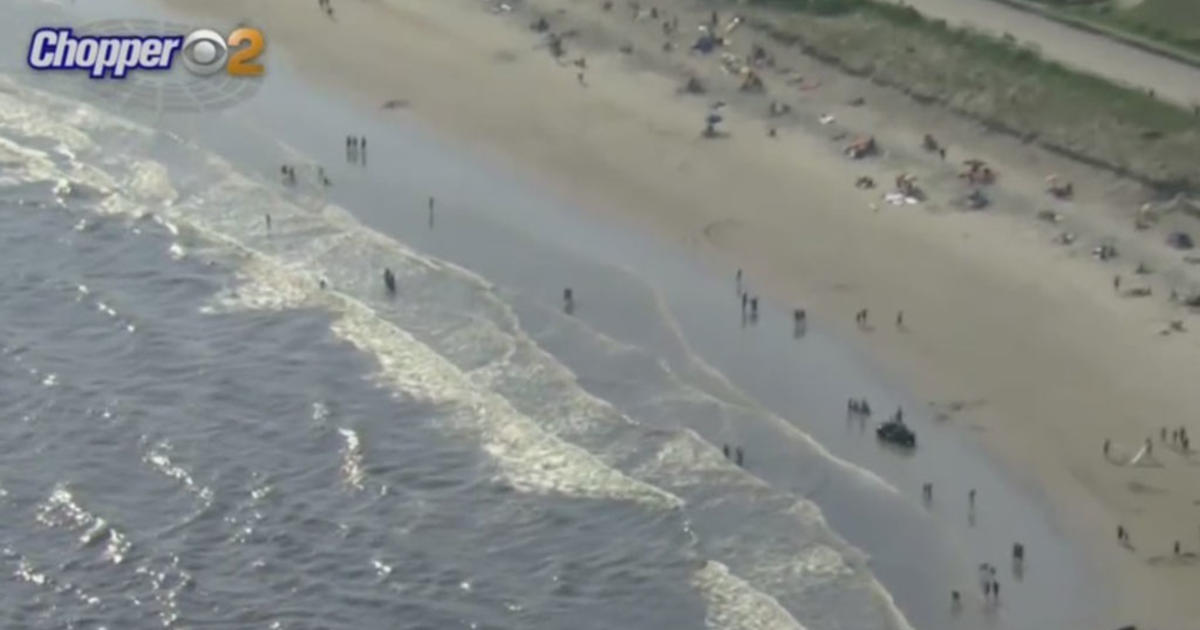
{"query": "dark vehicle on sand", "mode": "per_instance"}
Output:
(896, 433)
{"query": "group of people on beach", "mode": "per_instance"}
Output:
(356, 150)
(1178, 439)
(288, 173)
(858, 407)
(989, 583)
(737, 456)
(799, 315)
(749, 302)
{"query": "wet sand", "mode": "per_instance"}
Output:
(994, 313)
(663, 301)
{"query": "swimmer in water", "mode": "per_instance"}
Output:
(389, 281)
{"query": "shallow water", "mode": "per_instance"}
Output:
(201, 435)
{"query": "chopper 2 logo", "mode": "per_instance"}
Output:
(203, 52)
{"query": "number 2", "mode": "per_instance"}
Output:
(241, 62)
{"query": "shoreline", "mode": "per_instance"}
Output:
(761, 241)
(577, 251)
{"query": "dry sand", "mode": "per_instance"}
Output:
(994, 311)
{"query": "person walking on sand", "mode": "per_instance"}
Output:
(955, 601)
(754, 308)
(1117, 283)
(725, 450)
(899, 319)
(1107, 446)
(971, 500)
(431, 213)
(738, 452)
(268, 216)
(738, 281)
(568, 301)
(745, 301)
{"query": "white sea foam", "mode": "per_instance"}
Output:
(159, 459)
(735, 605)
(530, 452)
(531, 459)
(61, 509)
(352, 458)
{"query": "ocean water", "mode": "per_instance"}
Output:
(197, 434)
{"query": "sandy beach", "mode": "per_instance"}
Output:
(994, 312)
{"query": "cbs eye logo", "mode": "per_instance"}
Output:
(205, 52)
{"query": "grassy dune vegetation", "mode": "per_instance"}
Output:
(1173, 22)
(1000, 81)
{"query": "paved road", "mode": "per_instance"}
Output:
(1169, 79)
